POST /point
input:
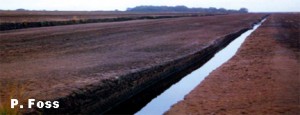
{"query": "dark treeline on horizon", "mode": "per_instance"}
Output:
(184, 9)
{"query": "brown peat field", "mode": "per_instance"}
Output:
(262, 78)
(39, 16)
(27, 19)
(91, 67)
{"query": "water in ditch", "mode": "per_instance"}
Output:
(177, 91)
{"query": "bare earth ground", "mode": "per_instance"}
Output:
(55, 61)
(262, 78)
(39, 16)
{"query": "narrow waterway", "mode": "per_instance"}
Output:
(176, 92)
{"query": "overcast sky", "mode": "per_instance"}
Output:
(91, 5)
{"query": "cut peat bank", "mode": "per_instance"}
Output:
(177, 91)
(90, 68)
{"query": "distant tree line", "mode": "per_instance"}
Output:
(184, 9)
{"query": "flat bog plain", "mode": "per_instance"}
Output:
(25, 19)
(91, 67)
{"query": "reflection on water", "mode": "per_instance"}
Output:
(138, 101)
(176, 92)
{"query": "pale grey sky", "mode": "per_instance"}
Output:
(91, 5)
